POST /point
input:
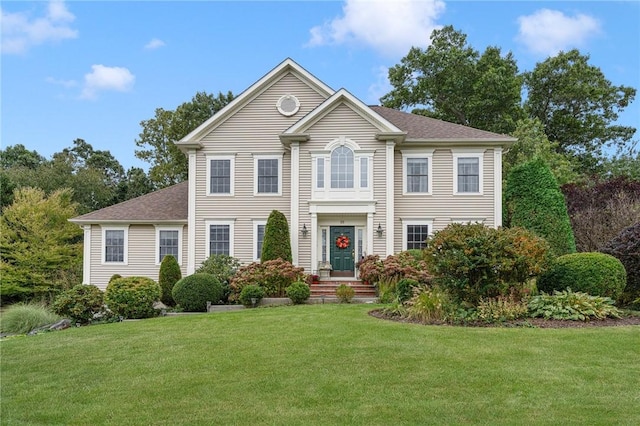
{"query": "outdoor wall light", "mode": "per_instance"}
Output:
(379, 230)
(305, 231)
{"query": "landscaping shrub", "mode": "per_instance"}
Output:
(115, 277)
(431, 304)
(298, 292)
(369, 268)
(404, 289)
(168, 276)
(567, 305)
(224, 268)
(21, 318)
(626, 248)
(406, 264)
(193, 292)
(80, 303)
(345, 293)
(276, 243)
(500, 309)
(533, 201)
(273, 275)
(597, 274)
(132, 297)
(473, 261)
(250, 292)
(386, 290)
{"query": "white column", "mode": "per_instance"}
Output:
(371, 233)
(191, 216)
(497, 187)
(86, 255)
(295, 204)
(390, 232)
(315, 239)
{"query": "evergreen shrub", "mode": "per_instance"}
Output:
(224, 268)
(168, 276)
(193, 292)
(80, 303)
(533, 201)
(277, 242)
(250, 292)
(132, 297)
(298, 292)
(626, 248)
(597, 274)
(345, 293)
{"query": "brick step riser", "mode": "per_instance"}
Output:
(328, 288)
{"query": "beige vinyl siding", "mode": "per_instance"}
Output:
(441, 206)
(141, 255)
(253, 129)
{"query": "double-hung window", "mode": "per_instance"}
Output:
(415, 233)
(268, 174)
(220, 174)
(220, 237)
(168, 243)
(114, 245)
(417, 174)
(467, 171)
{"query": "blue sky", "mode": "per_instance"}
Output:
(94, 70)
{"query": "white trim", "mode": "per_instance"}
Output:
(497, 187)
(208, 223)
(409, 222)
(295, 199)
(426, 154)
(468, 153)
(284, 98)
(126, 244)
(390, 207)
(256, 159)
(86, 255)
(466, 220)
(232, 169)
(191, 216)
(160, 228)
(256, 223)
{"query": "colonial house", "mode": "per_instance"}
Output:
(351, 179)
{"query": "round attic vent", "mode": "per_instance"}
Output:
(288, 105)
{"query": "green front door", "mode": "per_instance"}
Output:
(342, 250)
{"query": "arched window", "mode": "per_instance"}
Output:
(342, 168)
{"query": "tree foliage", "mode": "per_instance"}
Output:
(577, 105)
(533, 201)
(276, 243)
(159, 134)
(457, 84)
(41, 250)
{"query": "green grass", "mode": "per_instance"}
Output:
(320, 364)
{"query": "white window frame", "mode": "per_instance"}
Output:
(468, 153)
(208, 223)
(407, 222)
(257, 223)
(160, 228)
(464, 221)
(428, 154)
(126, 244)
(232, 169)
(256, 158)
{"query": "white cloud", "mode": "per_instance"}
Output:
(155, 43)
(103, 78)
(391, 27)
(60, 82)
(20, 31)
(547, 32)
(381, 86)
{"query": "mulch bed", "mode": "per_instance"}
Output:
(528, 322)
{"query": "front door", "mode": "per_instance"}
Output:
(342, 250)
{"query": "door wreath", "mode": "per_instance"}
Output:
(342, 242)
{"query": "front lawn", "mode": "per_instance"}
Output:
(319, 364)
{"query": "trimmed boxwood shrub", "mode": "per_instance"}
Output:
(168, 276)
(132, 297)
(80, 303)
(194, 291)
(626, 248)
(596, 274)
(223, 267)
(251, 292)
(533, 201)
(298, 292)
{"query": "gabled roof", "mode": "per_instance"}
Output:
(421, 128)
(166, 205)
(288, 65)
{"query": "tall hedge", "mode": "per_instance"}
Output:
(168, 276)
(533, 201)
(276, 243)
